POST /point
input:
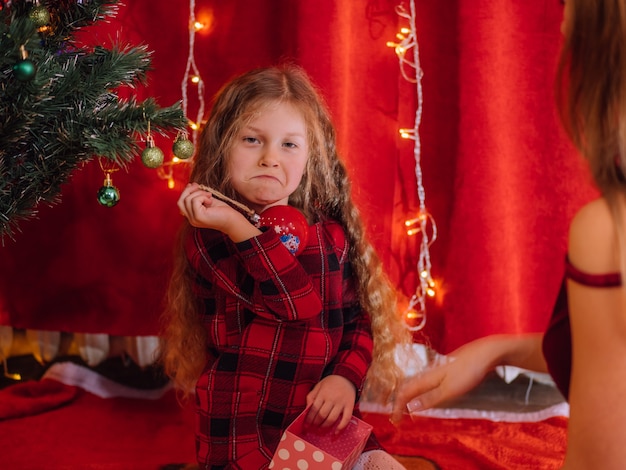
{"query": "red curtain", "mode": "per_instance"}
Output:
(501, 180)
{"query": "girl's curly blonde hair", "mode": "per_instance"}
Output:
(324, 193)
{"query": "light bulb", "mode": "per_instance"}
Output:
(412, 315)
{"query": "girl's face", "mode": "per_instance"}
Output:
(268, 156)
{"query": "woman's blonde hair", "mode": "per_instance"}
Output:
(591, 97)
(324, 193)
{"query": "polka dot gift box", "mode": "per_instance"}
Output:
(316, 449)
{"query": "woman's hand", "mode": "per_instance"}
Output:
(205, 211)
(464, 369)
(331, 402)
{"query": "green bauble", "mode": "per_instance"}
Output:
(183, 148)
(39, 15)
(108, 196)
(152, 157)
(24, 70)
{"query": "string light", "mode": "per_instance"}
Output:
(191, 75)
(407, 51)
(166, 172)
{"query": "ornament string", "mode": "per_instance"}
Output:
(253, 216)
(149, 138)
(416, 311)
(107, 169)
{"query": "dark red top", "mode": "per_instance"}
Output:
(557, 341)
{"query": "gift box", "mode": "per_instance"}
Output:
(320, 448)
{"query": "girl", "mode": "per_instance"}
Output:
(584, 347)
(259, 333)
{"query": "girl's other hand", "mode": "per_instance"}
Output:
(331, 402)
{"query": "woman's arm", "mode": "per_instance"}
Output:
(465, 368)
(597, 423)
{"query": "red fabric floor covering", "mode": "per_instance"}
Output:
(96, 433)
(81, 430)
(476, 444)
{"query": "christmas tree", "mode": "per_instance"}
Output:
(61, 104)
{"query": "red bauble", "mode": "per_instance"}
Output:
(289, 223)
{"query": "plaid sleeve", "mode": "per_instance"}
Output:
(285, 288)
(355, 349)
(260, 272)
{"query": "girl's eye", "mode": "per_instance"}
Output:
(250, 140)
(290, 145)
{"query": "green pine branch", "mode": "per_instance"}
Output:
(68, 112)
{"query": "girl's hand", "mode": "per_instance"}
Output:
(205, 211)
(202, 209)
(331, 402)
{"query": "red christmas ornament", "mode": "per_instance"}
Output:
(289, 223)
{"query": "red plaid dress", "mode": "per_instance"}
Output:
(276, 325)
